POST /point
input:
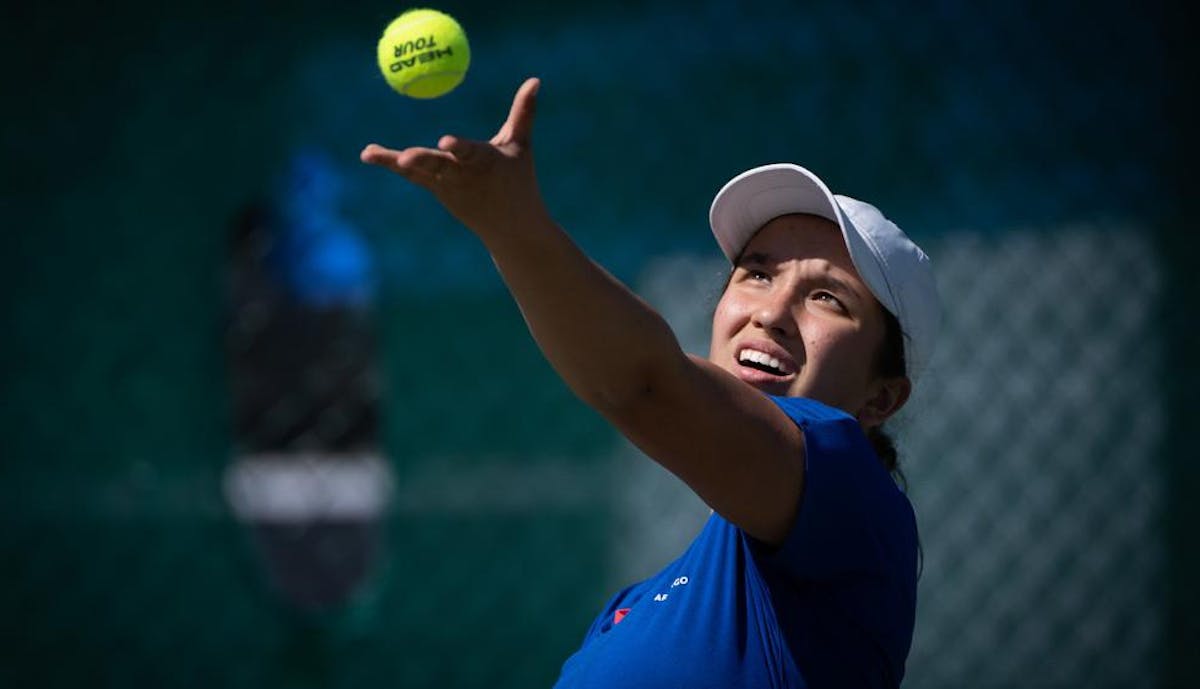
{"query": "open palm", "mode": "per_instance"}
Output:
(490, 186)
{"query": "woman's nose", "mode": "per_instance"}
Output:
(775, 314)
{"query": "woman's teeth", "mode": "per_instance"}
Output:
(761, 361)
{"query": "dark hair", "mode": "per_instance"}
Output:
(889, 363)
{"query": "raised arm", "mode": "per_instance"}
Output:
(725, 439)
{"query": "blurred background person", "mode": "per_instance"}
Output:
(302, 351)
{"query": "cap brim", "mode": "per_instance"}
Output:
(758, 196)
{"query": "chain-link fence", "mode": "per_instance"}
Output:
(270, 419)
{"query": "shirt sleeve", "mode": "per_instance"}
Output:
(853, 519)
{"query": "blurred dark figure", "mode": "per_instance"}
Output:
(301, 347)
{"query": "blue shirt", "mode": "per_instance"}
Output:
(833, 606)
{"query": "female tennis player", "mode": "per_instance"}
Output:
(805, 575)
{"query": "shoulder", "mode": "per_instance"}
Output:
(852, 517)
(812, 416)
(827, 429)
(804, 411)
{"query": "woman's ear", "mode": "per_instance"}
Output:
(887, 396)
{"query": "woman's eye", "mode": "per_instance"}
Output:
(757, 275)
(828, 299)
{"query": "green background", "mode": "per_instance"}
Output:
(133, 134)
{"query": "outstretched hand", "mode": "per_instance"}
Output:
(490, 186)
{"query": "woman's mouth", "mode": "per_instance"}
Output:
(761, 361)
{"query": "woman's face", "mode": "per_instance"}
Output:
(797, 320)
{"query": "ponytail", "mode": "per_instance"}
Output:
(889, 457)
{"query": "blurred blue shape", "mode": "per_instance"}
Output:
(323, 260)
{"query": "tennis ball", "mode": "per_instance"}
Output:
(423, 53)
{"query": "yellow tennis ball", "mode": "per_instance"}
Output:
(423, 53)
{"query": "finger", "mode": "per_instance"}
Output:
(422, 165)
(374, 154)
(519, 125)
(463, 150)
(427, 163)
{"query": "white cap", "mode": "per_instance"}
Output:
(895, 269)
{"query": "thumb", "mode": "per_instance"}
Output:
(519, 126)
